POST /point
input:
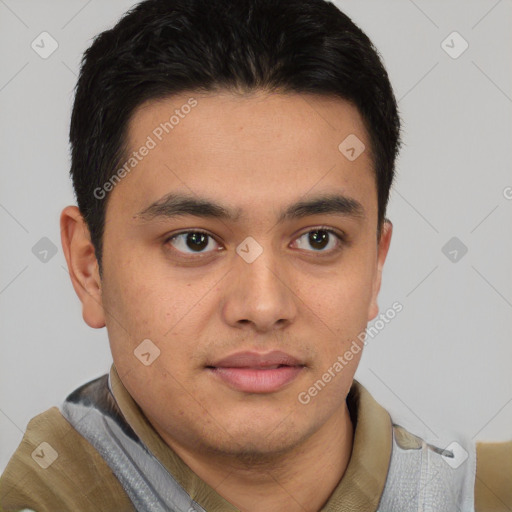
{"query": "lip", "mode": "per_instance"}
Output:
(253, 372)
(257, 360)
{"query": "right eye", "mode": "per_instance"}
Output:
(192, 242)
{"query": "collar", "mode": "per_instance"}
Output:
(359, 490)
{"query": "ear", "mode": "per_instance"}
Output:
(82, 265)
(382, 251)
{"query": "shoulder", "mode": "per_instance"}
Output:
(493, 486)
(429, 475)
(55, 468)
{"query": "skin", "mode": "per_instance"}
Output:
(257, 152)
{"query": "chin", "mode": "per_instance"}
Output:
(257, 448)
(261, 440)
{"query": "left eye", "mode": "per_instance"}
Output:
(319, 239)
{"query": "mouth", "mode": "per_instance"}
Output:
(252, 372)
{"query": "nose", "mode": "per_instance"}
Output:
(260, 295)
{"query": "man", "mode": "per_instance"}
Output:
(232, 163)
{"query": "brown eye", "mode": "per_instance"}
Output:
(191, 242)
(319, 240)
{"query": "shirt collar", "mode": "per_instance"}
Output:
(359, 490)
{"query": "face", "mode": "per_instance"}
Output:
(250, 297)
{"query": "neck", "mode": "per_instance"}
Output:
(299, 481)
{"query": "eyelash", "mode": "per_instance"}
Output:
(341, 238)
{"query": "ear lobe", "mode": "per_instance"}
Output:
(82, 265)
(383, 248)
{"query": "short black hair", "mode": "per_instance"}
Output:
(165, 47)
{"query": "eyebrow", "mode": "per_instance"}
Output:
(175, 205)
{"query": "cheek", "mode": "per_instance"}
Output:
(165, 310)
(129, 303)
(342, 298)
(132, 287)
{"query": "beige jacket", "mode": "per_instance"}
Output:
(80, 480)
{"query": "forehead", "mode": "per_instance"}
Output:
(282, 120)
(254, 148)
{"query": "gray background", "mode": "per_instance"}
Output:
(443, 364)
